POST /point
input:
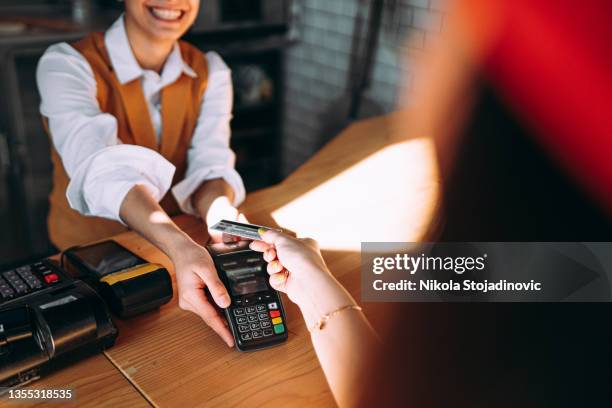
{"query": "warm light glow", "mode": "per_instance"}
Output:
(389, 196)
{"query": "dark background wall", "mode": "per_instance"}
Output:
(318, 67)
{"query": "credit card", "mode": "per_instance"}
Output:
(248, 231)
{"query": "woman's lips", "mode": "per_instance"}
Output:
(166, 14)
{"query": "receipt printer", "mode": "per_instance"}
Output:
(49, 329)
(128, 284)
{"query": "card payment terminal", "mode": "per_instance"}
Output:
(256, 316)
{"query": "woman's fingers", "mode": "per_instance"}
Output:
(216, 288)
(259, 246)
(269, 255)
(272, 236)
(274, 267)
(200, 306)
(193, 299)
(278, 280)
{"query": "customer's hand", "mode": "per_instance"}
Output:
(222, 209)
(195, 271)
(297, 268)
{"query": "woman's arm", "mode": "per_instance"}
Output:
(346, 340)
(194, 268)
(212, 189)
(101, 169)
(117, 181)
(343, 344)
(343, 348)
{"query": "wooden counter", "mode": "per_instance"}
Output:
(94, 381)
(376, 182)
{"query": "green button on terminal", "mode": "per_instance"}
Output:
(279, 328)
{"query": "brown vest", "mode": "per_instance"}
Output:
(180, 106)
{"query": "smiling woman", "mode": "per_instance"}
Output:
(162, 19)
(140, 128)
(154, 25)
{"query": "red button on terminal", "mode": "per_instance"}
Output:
(274, 313)
(51, 278)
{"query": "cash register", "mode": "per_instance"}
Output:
(47, 319)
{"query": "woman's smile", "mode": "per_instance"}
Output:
(166, 14)
(159, 20)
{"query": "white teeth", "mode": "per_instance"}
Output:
(166, 14)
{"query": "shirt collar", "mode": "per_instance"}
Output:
(175, 65)
(125, 65)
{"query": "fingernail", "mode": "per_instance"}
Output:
(261, 231)
(279, 277)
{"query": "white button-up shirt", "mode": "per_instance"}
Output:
(102, 170)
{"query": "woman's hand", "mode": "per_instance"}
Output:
(297, 268)
(193, 265)
(195, 271)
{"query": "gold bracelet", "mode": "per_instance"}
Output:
(323, 320)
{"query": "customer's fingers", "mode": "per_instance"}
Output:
(259, 246)
(274, 267)
(279, 280)
(269, 255)
(272, 236)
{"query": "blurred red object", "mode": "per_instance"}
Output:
(552, 62)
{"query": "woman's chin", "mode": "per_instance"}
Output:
(163, 34)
